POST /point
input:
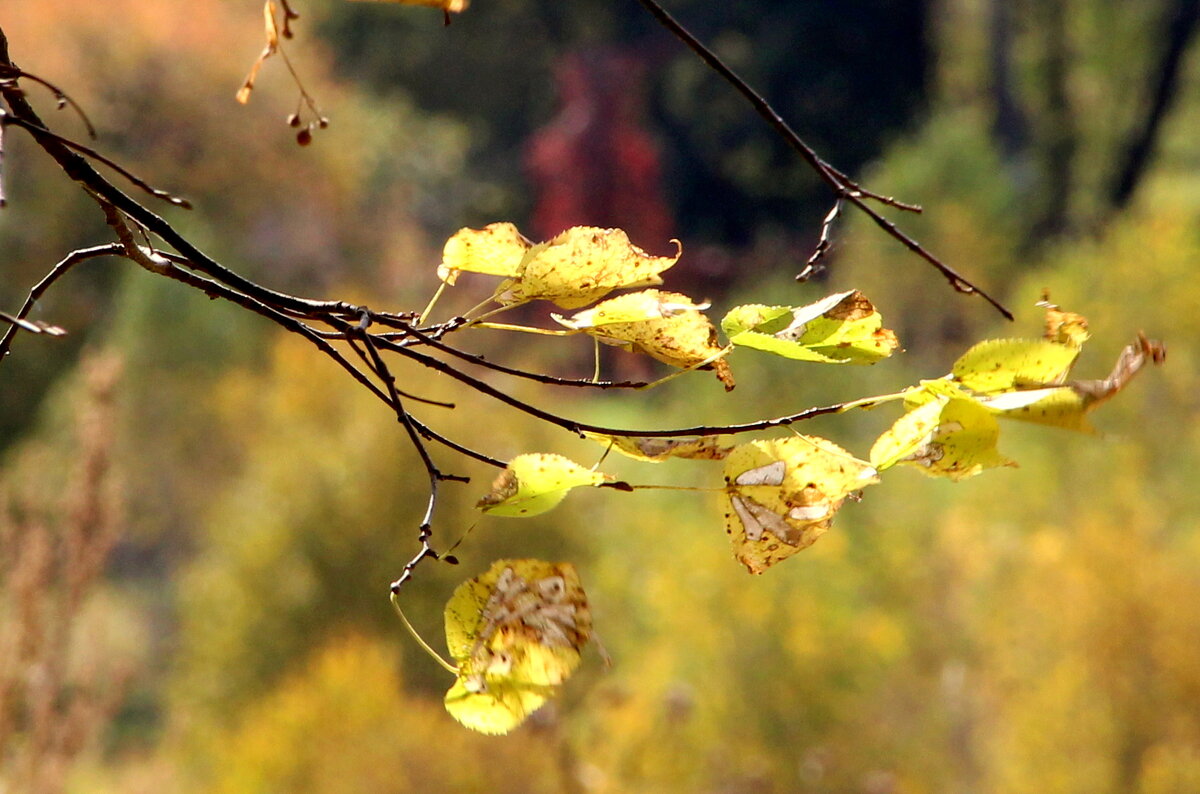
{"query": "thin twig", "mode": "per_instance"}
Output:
(37, 130)
(33, 328)
(841, 186)
(11, 72)
(56, 272)
(811, 267)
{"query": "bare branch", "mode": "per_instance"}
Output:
(841, 186)
(37, 131)
(57, 272)
(10, 72)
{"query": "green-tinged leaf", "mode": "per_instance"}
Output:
(781, 495)
(954, 438)
(515, 633)
(1002, 364)
(656, 450)
(535, 483)
(843, 328)
(680, 334)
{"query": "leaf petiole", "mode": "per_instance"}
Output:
(420, 640)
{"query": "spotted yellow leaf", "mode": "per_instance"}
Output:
(669, 328)
(1066, 406)
(576, 268)
(946, 437)
(1002, 364)
(782, 494)
(656, 450)
(535, 483)
(843, 328)
(581, 266)
(515, 634)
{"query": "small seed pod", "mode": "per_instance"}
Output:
(293, 120)
(304, 137)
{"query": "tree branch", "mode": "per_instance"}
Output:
(839, 183)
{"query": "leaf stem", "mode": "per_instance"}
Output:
(420, 640)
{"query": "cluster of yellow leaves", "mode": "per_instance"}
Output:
(951, 428)
(780, 495)
(584, 264)
(515, 634)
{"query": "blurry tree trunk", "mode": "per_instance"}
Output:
(1180, 28)
(1056, 174)
(1010, 126)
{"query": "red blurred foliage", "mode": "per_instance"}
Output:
(594, 163)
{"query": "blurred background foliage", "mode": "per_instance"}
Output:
(1029, 630)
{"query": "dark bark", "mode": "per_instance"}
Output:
(1060, 133)
(1180, 24)
(1010, 126)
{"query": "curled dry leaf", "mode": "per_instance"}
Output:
(1066, 328)
(271, 22)
(535, 483)
(781, 495)
(515, 634)
(576, 268)
(843, 328)
(666, 326)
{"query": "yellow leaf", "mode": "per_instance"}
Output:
(673, 331)
(946, 437)
(781, 495)
(843, 328)
(649, 304)
(1066, 406)
(656, 450)
(582, 265)
(515, 633)
(535, 483)
(1003, 364)
(498, 249)
(576, 268)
